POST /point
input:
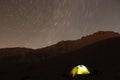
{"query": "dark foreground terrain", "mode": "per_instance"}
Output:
(102, 59)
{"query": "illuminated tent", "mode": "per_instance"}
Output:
(80, 70)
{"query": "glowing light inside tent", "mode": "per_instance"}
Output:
(80, 70)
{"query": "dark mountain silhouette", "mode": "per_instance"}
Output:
(15, 51)
(72, 45)
(100, 52)
(102, 57)
(24, 54)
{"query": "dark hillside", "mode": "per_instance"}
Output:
(103, 57)
(72, 45)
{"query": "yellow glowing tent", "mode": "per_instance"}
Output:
(80, 70)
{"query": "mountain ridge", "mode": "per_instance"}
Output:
(102, 57)
(60, 47)
(71, 45)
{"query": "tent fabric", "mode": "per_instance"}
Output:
(80, 70)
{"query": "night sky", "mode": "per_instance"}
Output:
(39, 23)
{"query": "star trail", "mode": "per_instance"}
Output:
(40, 23)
